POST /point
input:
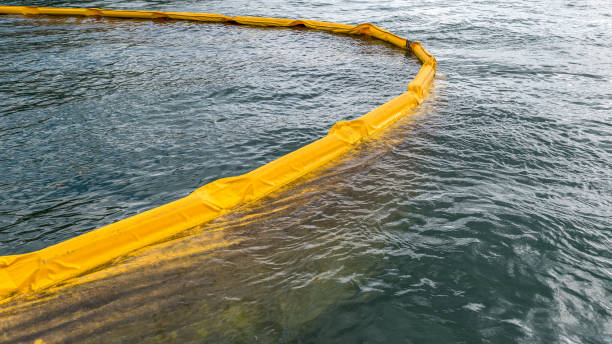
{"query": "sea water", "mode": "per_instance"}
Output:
(485, 216)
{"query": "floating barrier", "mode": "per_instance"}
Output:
(76, 256)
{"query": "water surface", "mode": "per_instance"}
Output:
(485, 217)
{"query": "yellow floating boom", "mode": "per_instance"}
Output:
(43, 268)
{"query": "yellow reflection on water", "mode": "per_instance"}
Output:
(265, 272)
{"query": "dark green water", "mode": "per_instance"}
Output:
(484, 218)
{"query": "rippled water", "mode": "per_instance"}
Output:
(483, 218)
(105, 118)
